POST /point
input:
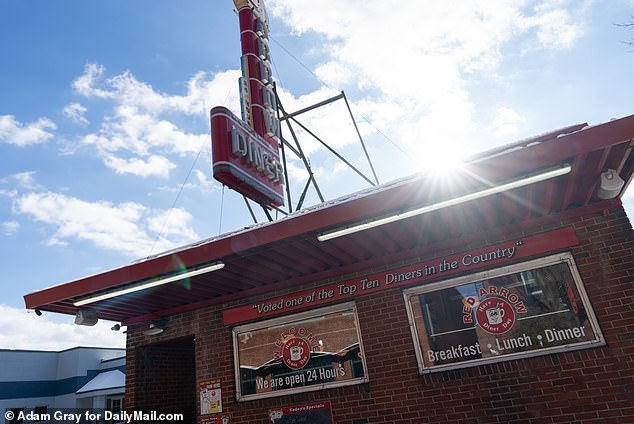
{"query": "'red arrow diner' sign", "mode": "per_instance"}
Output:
(246, 151)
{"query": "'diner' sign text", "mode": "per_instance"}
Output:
(246, 151)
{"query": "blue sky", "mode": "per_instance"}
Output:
(104, 145)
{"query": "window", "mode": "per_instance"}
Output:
(528, 309)
(298, 353)
(115, 405)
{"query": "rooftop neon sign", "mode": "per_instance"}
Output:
(246, 151)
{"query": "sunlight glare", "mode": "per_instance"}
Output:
(442, 161)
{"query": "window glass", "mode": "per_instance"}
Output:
(520, 310)
(115, 405)
(302, 352)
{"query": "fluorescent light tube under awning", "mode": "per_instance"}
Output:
(149, 284)
(524, 181)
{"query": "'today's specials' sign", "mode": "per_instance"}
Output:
(420, 272)
(313, 413)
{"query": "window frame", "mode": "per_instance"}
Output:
(290, 320)
(556, 259)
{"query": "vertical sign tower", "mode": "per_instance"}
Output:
(246, 151)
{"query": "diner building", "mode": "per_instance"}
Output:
(499, 293)
(35, 383)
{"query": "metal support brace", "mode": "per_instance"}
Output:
(282, 142)
(255, 219)
(334, 152)
(360, 138)
(299, 150)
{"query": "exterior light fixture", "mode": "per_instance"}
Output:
(153, 330)
(88, 318)
(610, 185)
(521, 182)
(149, 284)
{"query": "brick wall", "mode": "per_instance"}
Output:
(587, 386)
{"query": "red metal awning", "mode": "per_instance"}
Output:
(285, 253)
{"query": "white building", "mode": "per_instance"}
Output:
(81, 377)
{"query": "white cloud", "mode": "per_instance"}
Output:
(413, 71)
(203, 179)
(199, 180)
(126, 227)
(21, 329)
(22, 180)
(172, 223)
(26, 180)
(9, 228)
(75, 112)
(331, 123)
(141, 134)
(152, 166)
(554, 25)
(14, 132)
(414, 61)
(9, 193)
(505, 122)
(87, 82)
(335, 74)
(203, 91)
